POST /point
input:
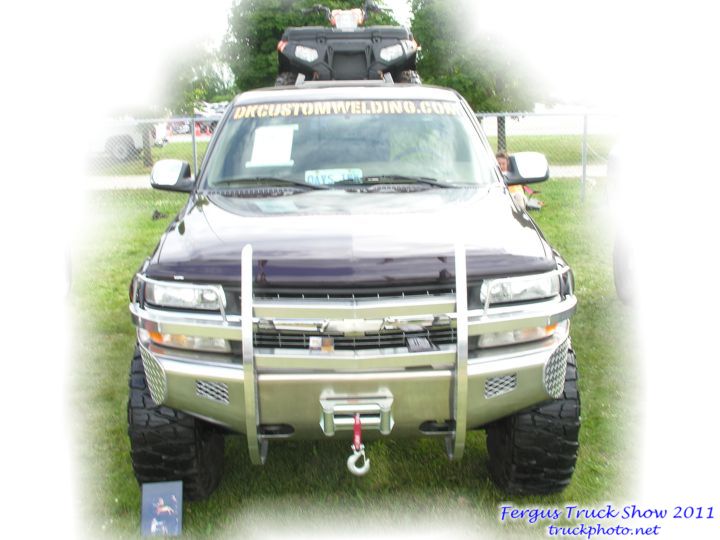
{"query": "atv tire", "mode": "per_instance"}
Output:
(408, 76)
(286, 78)
(166, 444)
(534, 451)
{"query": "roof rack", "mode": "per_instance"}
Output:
(301, 81)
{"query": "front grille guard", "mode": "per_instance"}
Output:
(454, 441)
(257, 443)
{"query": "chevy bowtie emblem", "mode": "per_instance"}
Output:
(321, 344)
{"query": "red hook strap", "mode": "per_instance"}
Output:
(357, 433)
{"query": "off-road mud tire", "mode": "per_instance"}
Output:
(286, 78)
(166, 444)
(409, 76)
(534, 451)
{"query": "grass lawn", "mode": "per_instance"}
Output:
(411, 482)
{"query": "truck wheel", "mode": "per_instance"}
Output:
(120, 148)
(534, 451)
(166, 444)
(286, 78)
(409, 76)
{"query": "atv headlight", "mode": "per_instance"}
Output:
(388, 54)
(306, 54)
(515, 289)
(184, 295)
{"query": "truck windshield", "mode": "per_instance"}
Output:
(328, 143)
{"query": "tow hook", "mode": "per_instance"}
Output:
(358, 449)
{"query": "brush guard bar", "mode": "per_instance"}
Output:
(371, 384)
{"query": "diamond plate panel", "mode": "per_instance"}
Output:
(496, 386)
(155, 377)
(215, 391)
(554, 372)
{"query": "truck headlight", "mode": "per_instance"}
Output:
(306, 54)
(184, 295)
(515, 289)
(388, 54)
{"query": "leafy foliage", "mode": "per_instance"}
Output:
(256, 26)
(199, 76)
(480, 67)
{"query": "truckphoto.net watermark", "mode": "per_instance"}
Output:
(608, 520)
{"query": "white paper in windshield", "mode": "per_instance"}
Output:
(273, 146)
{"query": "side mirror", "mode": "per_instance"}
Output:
(527, 168)
(172, 175)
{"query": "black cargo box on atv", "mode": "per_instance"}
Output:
(322, 53)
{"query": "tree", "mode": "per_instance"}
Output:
(480, 67)
(199, 76)
(256, 26)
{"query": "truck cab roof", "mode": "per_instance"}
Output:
(364, 89)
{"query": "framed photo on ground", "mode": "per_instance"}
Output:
(161, 509)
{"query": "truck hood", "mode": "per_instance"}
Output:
(348, 238)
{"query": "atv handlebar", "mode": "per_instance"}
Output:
(318, 8)
(370, 6)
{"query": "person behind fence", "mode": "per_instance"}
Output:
(517, 191)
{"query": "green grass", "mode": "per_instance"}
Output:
(411, 482)
(106, 166)
(560, 149)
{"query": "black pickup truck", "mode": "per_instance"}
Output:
(350, 263)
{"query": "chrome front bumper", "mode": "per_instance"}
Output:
(277, 393)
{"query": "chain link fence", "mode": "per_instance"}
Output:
(576, 144)
(123, 153)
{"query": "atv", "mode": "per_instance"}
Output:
(347, 51)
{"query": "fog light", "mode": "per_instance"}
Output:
(180, 341)
(521, 335)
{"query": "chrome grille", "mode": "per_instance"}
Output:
(496, 386)
(345, 294)
(554, 371)
(155, 377)
(301, 340)
(215, 391)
